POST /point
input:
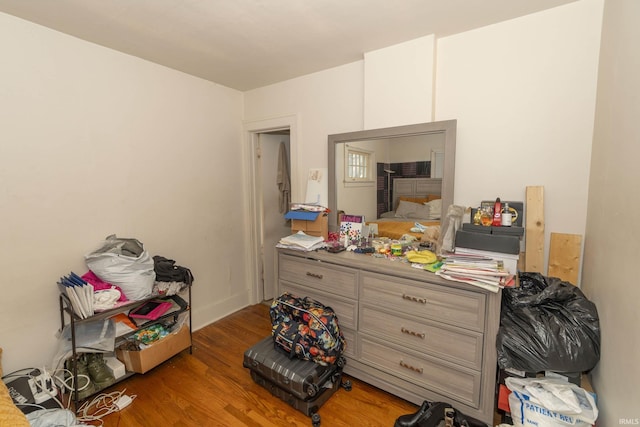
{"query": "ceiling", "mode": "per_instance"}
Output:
(245, 44)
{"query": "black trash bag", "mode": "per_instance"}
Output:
(547, 325)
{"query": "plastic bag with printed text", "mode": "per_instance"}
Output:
(550, 402)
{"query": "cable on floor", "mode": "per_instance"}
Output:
(103, 405)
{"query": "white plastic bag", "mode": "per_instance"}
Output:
(125, 263)
(452, 223)
(98, 336)
(549, 402)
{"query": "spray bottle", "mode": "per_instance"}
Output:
(497, 213)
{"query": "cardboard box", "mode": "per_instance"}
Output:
(144, 360)
(318, 227)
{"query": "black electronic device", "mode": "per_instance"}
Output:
(150, 310)
(31, 391)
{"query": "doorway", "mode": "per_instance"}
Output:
(274, 226)
(266, 222)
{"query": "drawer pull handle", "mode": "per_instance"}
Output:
(410, 332)
(414, 299)
(317, 276)
(411, 368)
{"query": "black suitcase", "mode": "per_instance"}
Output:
(304, 385)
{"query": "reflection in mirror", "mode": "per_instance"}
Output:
(371, 172)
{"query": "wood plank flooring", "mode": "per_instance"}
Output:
(211, 387)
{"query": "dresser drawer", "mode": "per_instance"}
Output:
(346, 310)
(460, 346)
(458, 383)
(425, 300)
(318, 275)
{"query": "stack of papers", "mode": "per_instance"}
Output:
(309, 207)
(301, 242)
(480, 271)
(80, 294)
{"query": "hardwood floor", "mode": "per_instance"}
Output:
(211, 387)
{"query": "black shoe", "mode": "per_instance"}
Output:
(463, 420)
(411, 420)
(434, 415)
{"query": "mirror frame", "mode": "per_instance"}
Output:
(448, 127)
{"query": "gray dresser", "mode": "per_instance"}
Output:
(408, 331)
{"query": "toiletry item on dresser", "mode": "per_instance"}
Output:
(477, 216)
(497, 213)
(506, 218)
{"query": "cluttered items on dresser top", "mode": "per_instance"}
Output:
(479, 247)
(491, 271)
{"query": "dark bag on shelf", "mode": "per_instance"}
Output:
(547, 324)
(306, 329)
(167, 271)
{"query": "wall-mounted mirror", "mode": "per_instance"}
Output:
(393, 174)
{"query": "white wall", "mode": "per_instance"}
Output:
(523, 92)
(610, 276)
(398, 84)
(327, 102)
(95, 142)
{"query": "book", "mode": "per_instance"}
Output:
(351, 227)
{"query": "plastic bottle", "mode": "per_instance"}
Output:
(497, 213)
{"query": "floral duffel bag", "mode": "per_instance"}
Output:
(306, 329)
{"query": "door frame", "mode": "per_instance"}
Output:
(253, 188)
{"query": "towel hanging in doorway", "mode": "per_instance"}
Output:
(282, 179)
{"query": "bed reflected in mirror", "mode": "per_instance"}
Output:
(395, 177)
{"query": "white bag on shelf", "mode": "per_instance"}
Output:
(97, 336)
(550, 402)
(125, 263)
